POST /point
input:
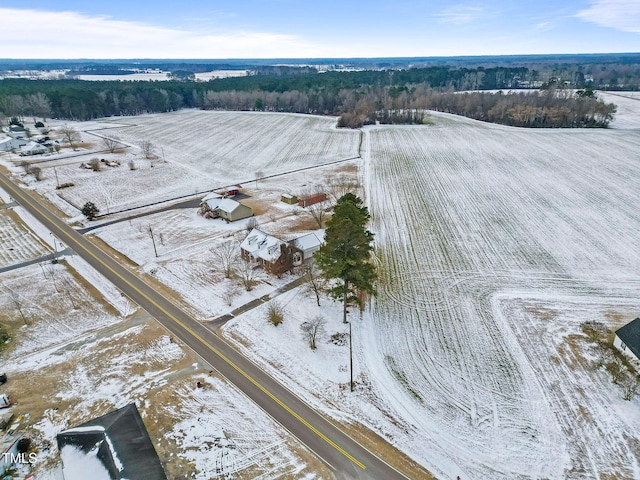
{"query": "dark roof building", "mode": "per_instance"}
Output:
(627, 339)
(120, 441)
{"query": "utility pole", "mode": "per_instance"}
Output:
(351, 356)
(57, 180)
(153, 240)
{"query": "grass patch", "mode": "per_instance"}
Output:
(400, 376)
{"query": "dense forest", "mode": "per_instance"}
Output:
(358, 97)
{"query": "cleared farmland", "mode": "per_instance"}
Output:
(495, 243)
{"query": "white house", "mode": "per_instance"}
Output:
(627, 340)
(33, 148)
(8, 144)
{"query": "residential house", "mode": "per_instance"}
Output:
(116, 444)
(277, 256)
(627, 340)
(217, 206)
(33, 148)
(8, 144)
(271, 253)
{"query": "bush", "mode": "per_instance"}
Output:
(36, 172)
(275, 313)
(94, 163)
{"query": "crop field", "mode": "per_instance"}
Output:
(494, 244)
(197, 151)
(17, 242)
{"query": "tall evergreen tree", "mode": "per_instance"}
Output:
(346, 254)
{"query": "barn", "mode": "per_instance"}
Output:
(627, 340)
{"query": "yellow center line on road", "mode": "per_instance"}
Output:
(297, 416)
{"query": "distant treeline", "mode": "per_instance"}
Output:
(392, 96)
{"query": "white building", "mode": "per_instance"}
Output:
(627, 340)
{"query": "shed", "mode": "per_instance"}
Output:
(289, 198)
(312, 199)
(627, 340)
(120, 443)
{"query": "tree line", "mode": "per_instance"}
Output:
(386, 96)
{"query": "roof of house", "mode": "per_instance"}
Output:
(309, 241)
(262, 245)
(212, 195)
(288, 195)
(630, 336)
(120, 441)
(34, 147)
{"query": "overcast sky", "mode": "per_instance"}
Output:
(304, 29)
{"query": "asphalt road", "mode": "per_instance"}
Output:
(346, 457)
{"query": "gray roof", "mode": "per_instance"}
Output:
(125, 448)
(630, 336)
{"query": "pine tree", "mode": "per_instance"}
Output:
(346, 254)
(90, 210)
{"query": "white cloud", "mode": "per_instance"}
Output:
(462, 14)
(41, 34)
(618, 14)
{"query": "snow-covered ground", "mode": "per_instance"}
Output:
(494, 243)
(472, 222)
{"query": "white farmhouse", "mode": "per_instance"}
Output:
(627, 340)
(8, 144)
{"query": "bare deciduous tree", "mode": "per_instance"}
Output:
(94, 163)
(67, 288)
(616, 368)
(248, 274)
(318, 212)
(18, 303)
(229, 292)
(70, 135)
(225, 257)
(315, 282)
(340, 185)
(148, 149)
(36, 172)
(312, 330)
(111, 143)
(630, 387)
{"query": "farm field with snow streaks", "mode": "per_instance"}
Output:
(470, 220)
(232, 146)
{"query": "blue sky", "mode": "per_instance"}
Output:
(299, 28)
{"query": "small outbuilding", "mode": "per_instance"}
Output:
(289, 198)
(627, 340)
(312, 199)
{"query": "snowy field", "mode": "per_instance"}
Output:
(628, 112)
(198, 151)
(495, 243)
